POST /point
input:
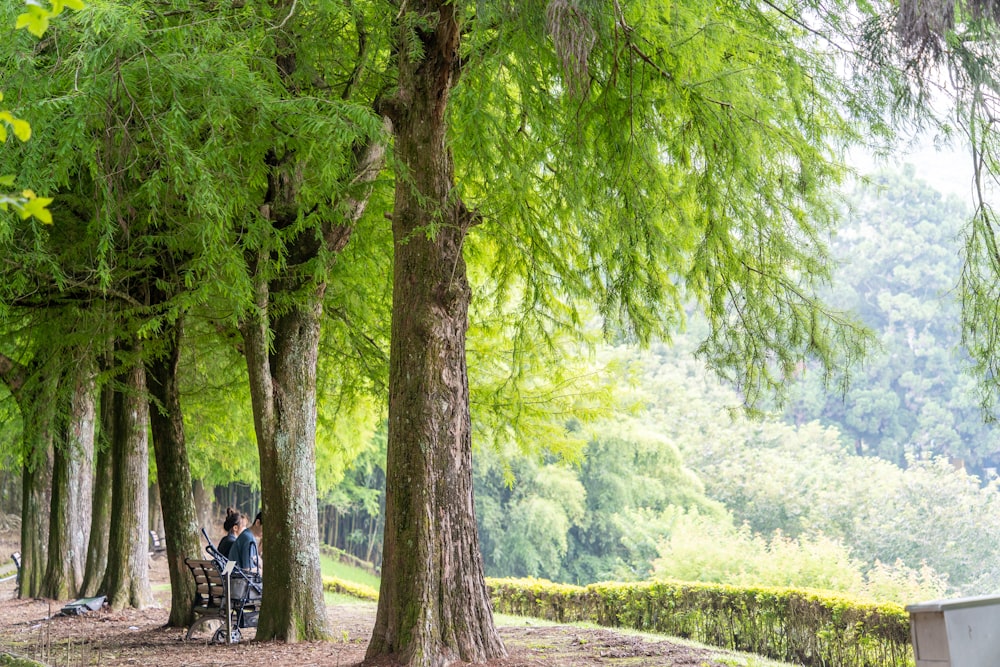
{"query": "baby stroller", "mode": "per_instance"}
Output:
(242, 590)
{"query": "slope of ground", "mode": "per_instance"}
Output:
(34, 629)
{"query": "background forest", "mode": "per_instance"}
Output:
(886, 488)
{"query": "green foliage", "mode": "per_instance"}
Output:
(159, 157)
(600, 518)
(795, 625)
(900, 259)
(27, 204)
(9, 660)
(701, 549)
(351, 588)
(36, 18)
(693, 164)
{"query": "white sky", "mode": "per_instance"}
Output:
(946, 168)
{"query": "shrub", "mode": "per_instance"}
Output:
(795, 625)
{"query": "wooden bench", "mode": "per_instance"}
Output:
(209, 596)
(156, 546)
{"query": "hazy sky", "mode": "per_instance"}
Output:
(947, 168)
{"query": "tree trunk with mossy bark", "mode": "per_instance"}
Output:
(69, 522)
(283, 391)
(173, 474)
(81, 436)
(434, 607)
(34, 391)
(100, 515)
(281, 345)
(36, 486)
(126, 580)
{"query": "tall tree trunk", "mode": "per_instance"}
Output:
(57, 582)
(180, 522)
(155, 506)
(126, 580)
(71, 489)
(283, 387)
(203, 506)
(82, 434)
(36, 485)
(100, 520)
(283, 391)
(38, 415)
(434, 607)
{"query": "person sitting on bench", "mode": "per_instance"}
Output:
(234, 524)
(245, 550)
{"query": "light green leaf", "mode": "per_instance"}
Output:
(22, 129)
(36, 20)
(37, 207)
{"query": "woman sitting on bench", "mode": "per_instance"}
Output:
(234, 524)
(245, 550)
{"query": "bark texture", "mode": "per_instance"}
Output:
(282, 348)
(72, 473)
(100, 516)
(283, 392)
(173, 474)
(434, 607)
(36, 485)
(81, 436)
(34, 390)
(58, 583)
(126, 580)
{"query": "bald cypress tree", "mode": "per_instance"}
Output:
(246, 195)
(643, 157)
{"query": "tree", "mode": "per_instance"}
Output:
(72, 481)
(961, 40)
(649, 159)
(305, 222)
(126, 579)
(433, 603)
(899, 251)
(260, 183)
(32, 387)
(100, 515)
(173, 472)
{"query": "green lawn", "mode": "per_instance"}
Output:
(333, 568)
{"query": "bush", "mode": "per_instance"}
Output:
(794, 625)
(335, 585)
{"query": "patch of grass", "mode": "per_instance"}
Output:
(339, 599)
(334, 568)
(506, 620)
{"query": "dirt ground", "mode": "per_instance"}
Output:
(34, 629)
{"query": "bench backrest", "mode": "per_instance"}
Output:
(209, 592)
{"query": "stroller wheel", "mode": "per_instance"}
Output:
(220, 636)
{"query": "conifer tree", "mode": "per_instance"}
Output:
(643, 157)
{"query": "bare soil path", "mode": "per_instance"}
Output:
(34, 629)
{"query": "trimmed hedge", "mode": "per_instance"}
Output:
(806, 627)
(336, 585)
